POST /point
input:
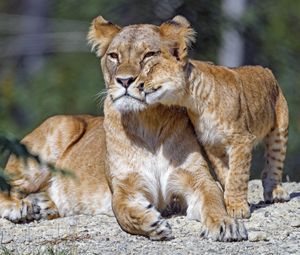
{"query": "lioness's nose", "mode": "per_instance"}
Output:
(125, 82)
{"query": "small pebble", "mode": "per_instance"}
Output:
(73, 222)
(296, 224)
(6, 239)
(257, 236)
(286, 233)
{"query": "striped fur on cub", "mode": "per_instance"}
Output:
(232, 109)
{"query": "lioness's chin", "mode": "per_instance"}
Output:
(128, 104)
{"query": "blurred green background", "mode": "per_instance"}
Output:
(47, 69)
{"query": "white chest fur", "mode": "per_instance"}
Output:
(155, 172)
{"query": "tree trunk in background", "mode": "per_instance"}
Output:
(232, 46)
(38, 26)
(26, 65)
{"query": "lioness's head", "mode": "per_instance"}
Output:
(130, 54)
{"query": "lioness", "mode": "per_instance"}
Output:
(153, 156)
(232, 109)
(154, 162)
(74, 143)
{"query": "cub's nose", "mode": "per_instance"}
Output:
(125, 82)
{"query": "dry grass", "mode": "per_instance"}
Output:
(48, 251)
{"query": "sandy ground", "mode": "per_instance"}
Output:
(272, 229)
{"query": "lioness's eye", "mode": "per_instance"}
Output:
(113, 55)
(151, 54)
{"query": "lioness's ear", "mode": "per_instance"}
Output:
(178, 36)
(101, 34)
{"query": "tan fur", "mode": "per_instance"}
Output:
(73, 143)
(153, 157)
(232, 109)
(154, 163)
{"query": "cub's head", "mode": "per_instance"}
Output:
(166, 84)
(131, 54)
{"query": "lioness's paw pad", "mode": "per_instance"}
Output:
(227, 230)
(161, 231)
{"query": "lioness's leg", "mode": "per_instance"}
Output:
(50, 140)
(25, 179)
(134, 211)
(205, 203)
(276, 142)
(236, 187)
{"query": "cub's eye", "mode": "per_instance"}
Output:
(113, 55)
(151, 54)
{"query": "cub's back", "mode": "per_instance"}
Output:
(254, 89)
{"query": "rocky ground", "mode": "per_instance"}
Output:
(272, 229)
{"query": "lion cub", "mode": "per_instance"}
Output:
(232, 109)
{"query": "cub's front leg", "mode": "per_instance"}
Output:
(134, 211)
(219, 165)
(236, 186)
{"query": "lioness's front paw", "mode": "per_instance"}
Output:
(23, 211)
(237, 209)
(277, 195)
(48, 210)
(224, 230)
(161, 231)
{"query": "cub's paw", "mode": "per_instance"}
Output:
(224, 230)
(160, 230)
(23, 211)
(237, 209)
(277, 195)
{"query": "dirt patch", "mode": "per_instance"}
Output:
(272, 229)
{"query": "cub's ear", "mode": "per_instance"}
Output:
(101, 34)
(178, 35)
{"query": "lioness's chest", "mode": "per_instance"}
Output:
(155, 170)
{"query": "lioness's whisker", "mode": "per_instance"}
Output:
(100, 96)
